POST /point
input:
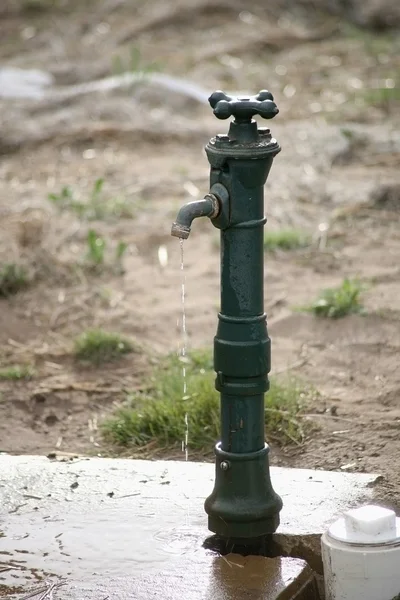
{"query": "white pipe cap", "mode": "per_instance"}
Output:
(367, 525)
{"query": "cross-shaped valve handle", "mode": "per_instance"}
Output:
(243, 108)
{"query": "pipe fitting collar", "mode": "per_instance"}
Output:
(229, 457)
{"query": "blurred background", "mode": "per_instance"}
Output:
(103, 121)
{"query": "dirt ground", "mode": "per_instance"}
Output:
(338, 171)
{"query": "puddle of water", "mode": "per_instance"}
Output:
(113, 542)
(179, 541)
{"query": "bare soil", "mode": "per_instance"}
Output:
(339, 166)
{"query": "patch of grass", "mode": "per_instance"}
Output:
(17, 372)
(96, 245)
(64, 199)
(338, 302)
(13, 278)
(158, 413)
(37, 6)
(374, 43)
(354, 137)
(122, 247)
(98, 346)
(96, 207)
(286, 239)
(386, 98)
(96, 253)
(134, 63)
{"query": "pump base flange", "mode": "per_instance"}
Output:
(243, 503)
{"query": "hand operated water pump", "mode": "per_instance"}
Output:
(243, 503)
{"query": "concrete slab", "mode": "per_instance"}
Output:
(230, 577)
(109, 518)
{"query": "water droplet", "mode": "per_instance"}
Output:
(281, 70)
(231, 61)
(191, 189)
(163, 256)
(309, 171)
(103, 28)
(247, 17)
(28, 33)
(340, 98)
(355, 83)
(289, 91)
(89, 154)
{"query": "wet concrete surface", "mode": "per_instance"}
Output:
(91, 519)
(232, 577)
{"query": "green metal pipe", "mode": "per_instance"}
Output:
(241, 347)
(242, 423)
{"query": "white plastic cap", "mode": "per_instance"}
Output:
(367, 525)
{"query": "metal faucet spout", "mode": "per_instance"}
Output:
(209, 206)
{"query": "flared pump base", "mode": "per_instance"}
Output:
(243, 503)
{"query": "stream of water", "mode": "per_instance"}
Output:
(183, 352)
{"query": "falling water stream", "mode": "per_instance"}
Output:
(185, 442)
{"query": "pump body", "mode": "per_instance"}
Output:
(243, 504)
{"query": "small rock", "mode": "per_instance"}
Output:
(51, 419)
(348, 467)
(74, 485)
(39, 397)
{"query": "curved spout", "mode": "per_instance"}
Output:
(208, 207)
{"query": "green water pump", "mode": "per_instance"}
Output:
(243, 504)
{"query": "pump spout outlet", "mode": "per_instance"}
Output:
(208, 207)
